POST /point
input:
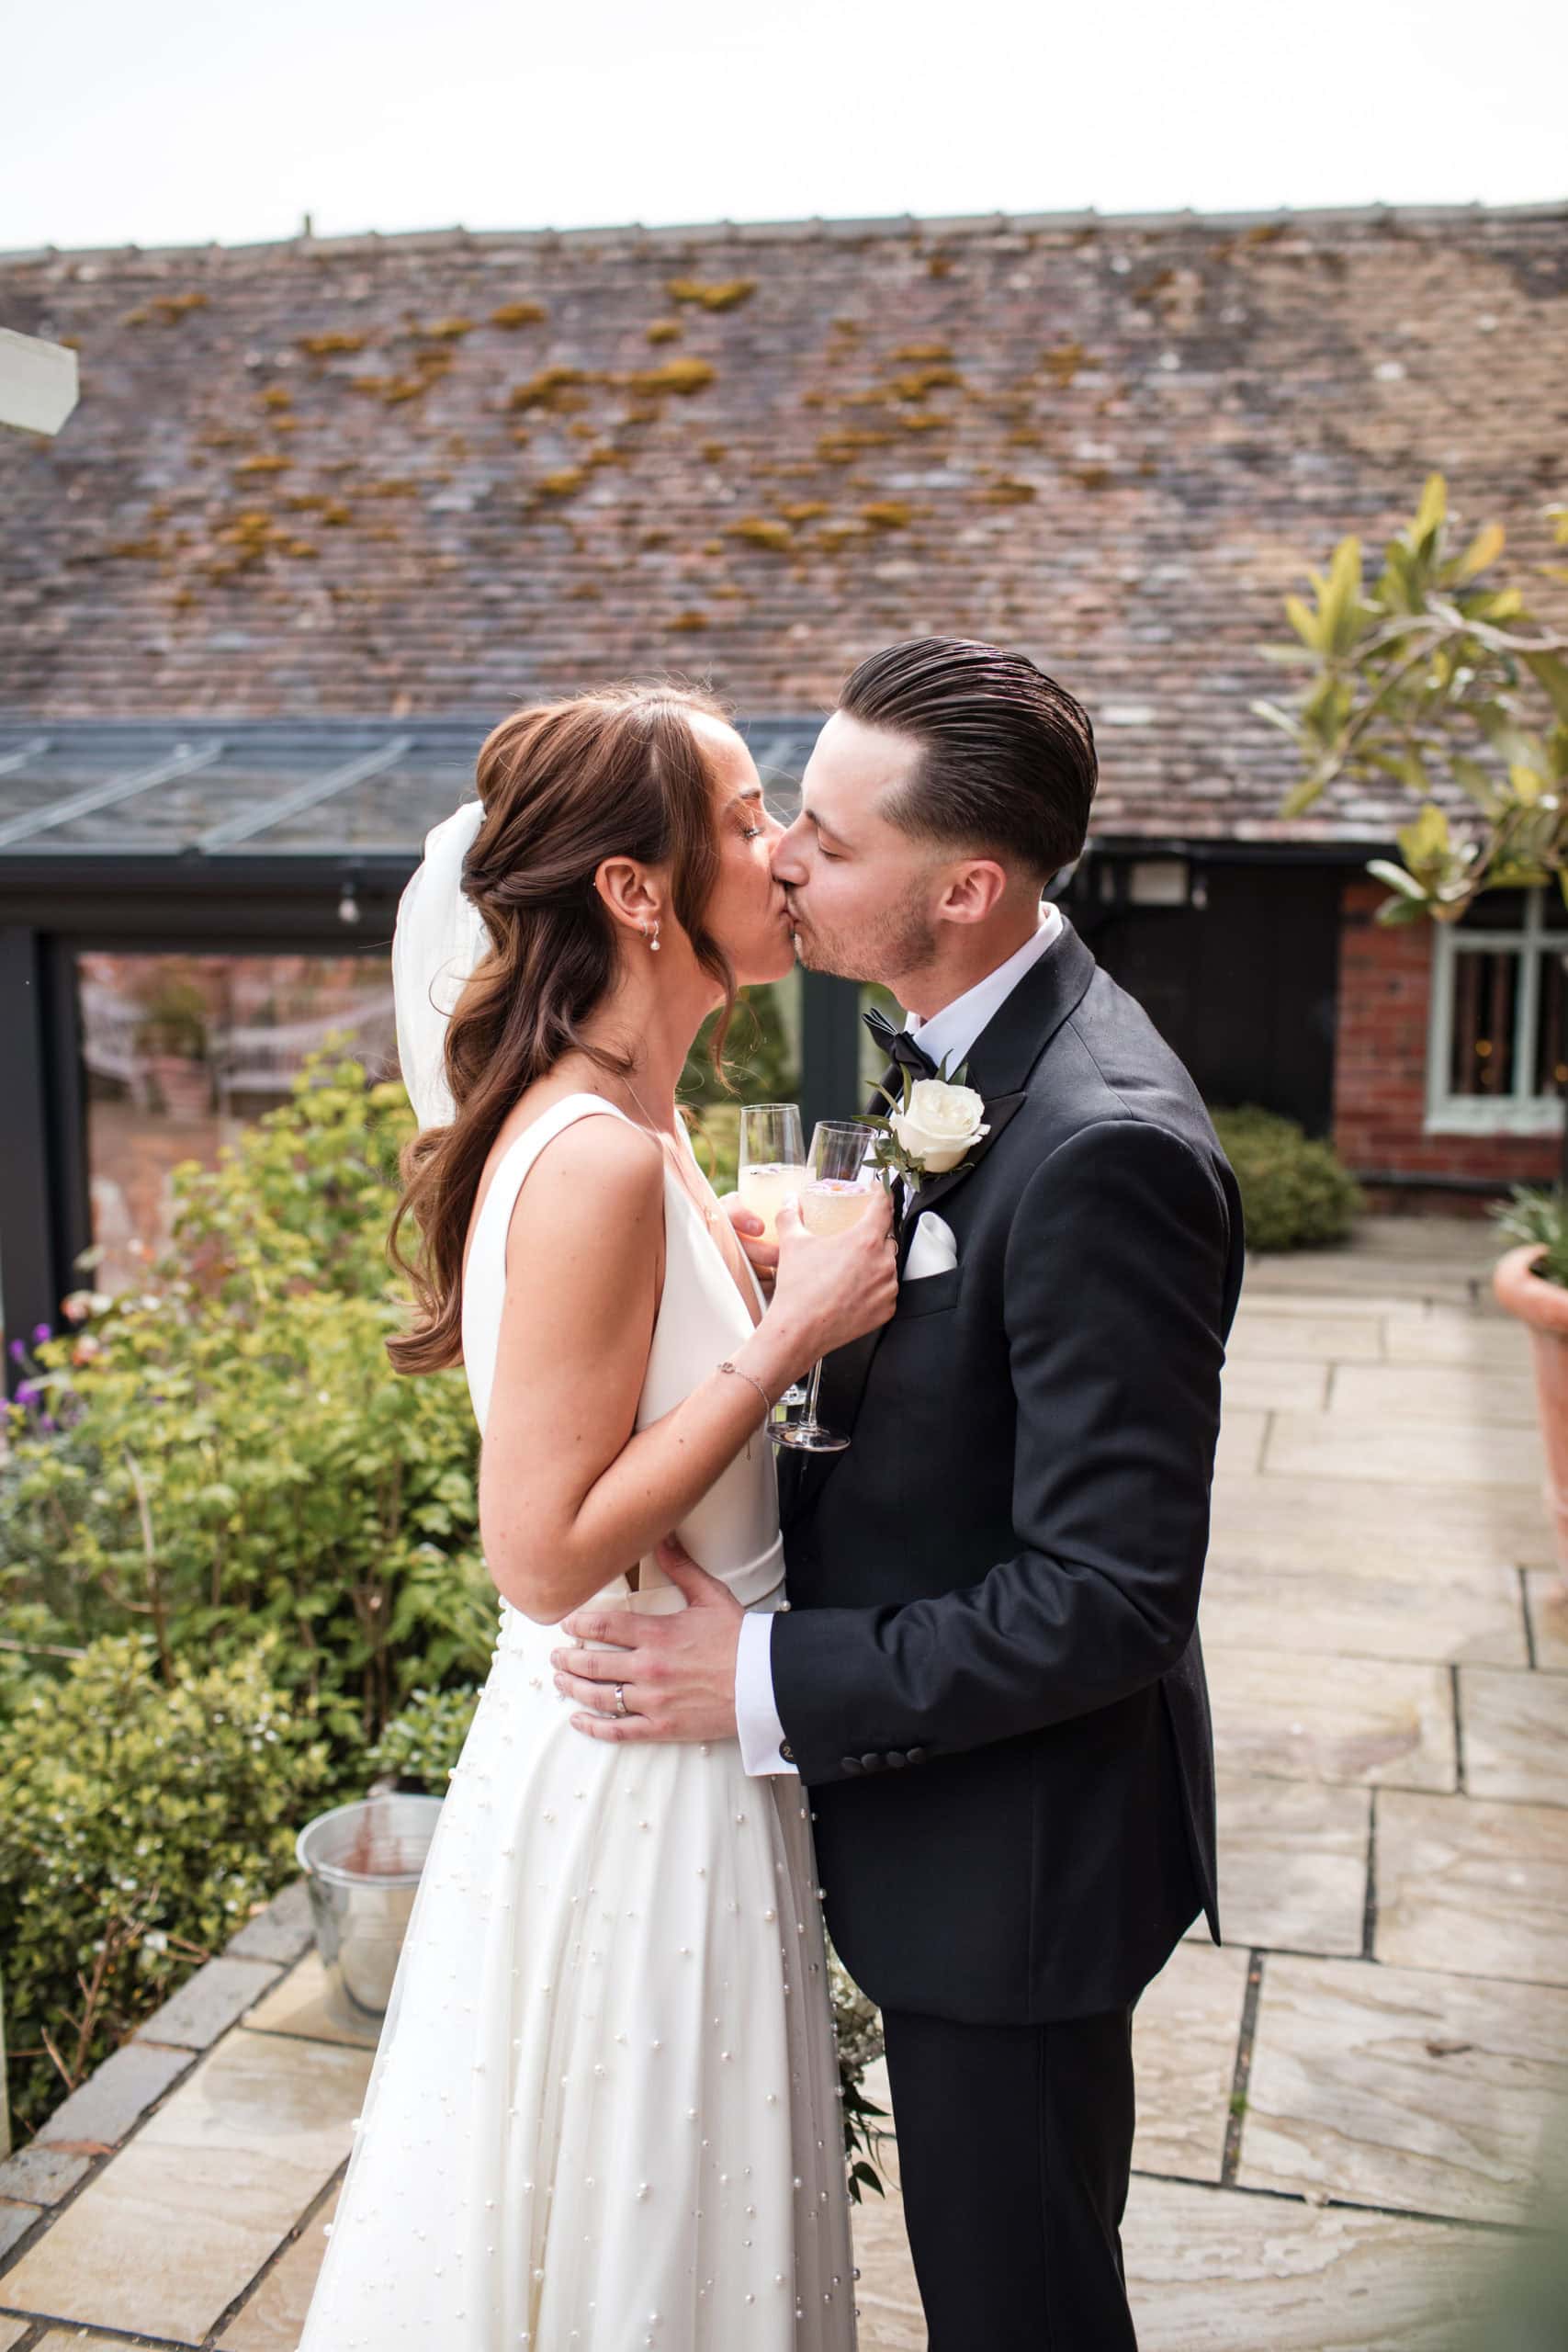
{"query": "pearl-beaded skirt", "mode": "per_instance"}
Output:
(602, 2113)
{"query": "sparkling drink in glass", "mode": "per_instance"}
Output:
(773, 1160)
(839, 1187)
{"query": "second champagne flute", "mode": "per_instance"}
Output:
(839, 1188)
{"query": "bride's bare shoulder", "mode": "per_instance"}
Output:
(598, 1166)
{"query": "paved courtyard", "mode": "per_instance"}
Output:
(1340, 2112)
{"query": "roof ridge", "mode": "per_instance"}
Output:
(761, 232)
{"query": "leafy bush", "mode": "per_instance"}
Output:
(1539, 1219)
(141, 1821)
(424, 1740)
(231, 1450)
(1295, 1194)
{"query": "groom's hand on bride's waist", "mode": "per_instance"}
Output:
(675, 1673)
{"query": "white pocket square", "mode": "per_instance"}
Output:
(932, 1249)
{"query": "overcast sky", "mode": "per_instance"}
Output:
(170, 122)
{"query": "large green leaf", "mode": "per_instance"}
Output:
(1550, 671)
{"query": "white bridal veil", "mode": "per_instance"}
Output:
(438, 938)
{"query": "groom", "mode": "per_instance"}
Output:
(989, 1676)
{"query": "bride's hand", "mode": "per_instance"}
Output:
(749, 1230)
(834, 1287)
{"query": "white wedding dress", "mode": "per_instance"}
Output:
(603, 2111)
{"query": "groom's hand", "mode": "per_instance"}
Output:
(677, 1672)
(763, 1255)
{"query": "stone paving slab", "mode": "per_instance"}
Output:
(42, 2175)
(1275, 1384)
(16, 2220)
(1368, 1721)
(299, 2007)
(1549, 1619)
(1372, 1609)
(1328, 1336)
(1438, 1337)
(1395, 2088)
(275, 2315)
(12, 2332)
(1185, 2032)
(1216, 2271)
(208, 2003)
(115, 2096)
(1239, 1452)
(1419, 1455)
(1309, 1518)
(168, 2235)
(1515, 1735)
(1292, 1865)
(281, 1933)
(1484, 1395)
(1478, 1888)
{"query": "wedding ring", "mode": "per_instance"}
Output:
(621, 1706)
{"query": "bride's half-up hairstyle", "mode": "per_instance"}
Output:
(615, 773)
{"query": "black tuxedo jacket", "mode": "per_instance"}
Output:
(989, 1675)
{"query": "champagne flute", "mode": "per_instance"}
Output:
(839, 1187)
(772, 1164)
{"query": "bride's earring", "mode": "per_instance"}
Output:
(653, 943)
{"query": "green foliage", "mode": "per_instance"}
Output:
(423, 1742)
(1539, 1219)
(1295, 1194)
(761, 1064)
(141, 1821)
(1432, 678)
(231, 1451)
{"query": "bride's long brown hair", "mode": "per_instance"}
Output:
(615, 773)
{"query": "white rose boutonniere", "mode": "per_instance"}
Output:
(931, 1130)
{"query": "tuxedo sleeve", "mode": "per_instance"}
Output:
(1114, 1315)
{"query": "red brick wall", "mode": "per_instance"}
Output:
(1380, 1079)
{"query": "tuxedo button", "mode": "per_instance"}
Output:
(848, 1763)
(786, 1751)
(895, 1757)
(871, 1763)
(916, 1755)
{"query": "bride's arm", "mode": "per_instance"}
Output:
(570, 1494)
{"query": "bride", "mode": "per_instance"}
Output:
(603, 2110)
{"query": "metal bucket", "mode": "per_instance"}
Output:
(362, 1865)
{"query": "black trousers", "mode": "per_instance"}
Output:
(1015, 2143)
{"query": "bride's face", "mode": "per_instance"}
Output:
(746, 913)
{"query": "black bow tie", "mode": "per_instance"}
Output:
(898, 1046)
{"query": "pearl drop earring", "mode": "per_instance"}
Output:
(653, 943)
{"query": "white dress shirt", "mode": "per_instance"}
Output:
(948, 1036)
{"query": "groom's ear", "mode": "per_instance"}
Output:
(975, 889)
(630, 893)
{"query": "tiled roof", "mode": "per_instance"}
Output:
(415, 476)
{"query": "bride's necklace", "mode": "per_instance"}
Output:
(657, 1133)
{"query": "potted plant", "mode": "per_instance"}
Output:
(1531, 1282)
(173, 1036)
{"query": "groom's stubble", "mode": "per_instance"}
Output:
(895, 941)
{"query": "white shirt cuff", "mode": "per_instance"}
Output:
(757, 1724)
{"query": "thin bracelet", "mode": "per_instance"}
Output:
(767, 1400)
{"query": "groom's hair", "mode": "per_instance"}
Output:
(1007, 755)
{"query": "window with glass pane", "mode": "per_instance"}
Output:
(1497, 1055)
(183, 1051)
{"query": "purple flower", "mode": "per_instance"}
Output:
(40, 1331)
(17, 1351)
(26, 1392)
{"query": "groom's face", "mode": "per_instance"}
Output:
(861, 894)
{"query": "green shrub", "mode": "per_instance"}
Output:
(141, 1821)
(1539, 1219)
(1295, 1194)
(231, 1451)
(424, 1740)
